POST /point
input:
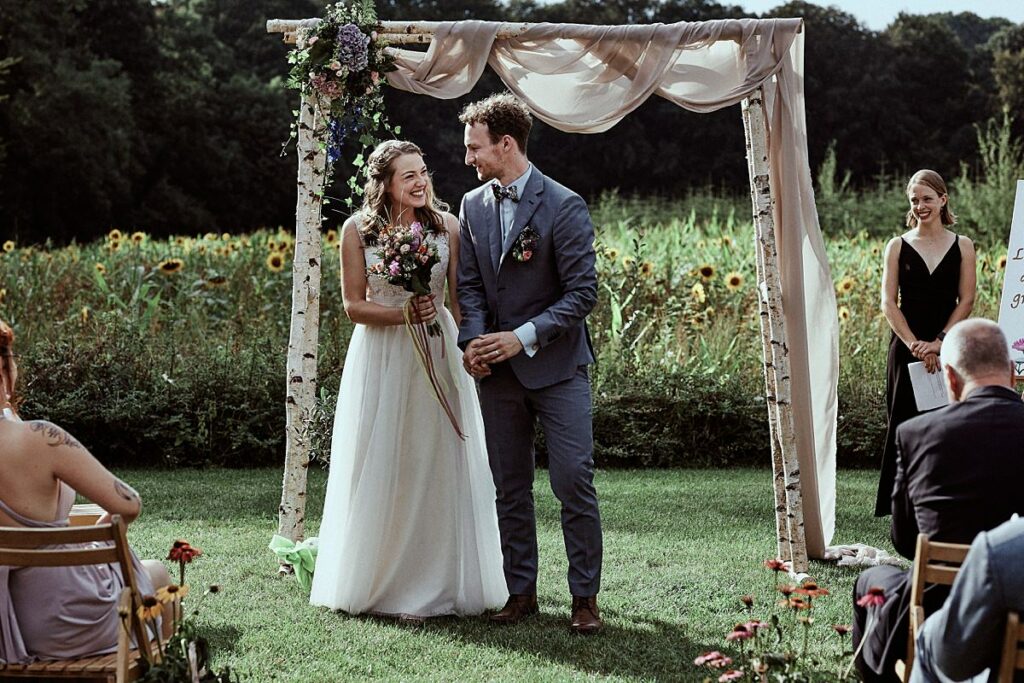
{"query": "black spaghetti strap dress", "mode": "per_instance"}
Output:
(926, 301)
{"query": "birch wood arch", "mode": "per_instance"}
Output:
(796, 300)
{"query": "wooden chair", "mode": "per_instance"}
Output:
(21, 547)
(1013, 649)
(934, 563)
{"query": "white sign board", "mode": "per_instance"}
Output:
(1011, 305)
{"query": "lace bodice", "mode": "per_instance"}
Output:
(380, 291)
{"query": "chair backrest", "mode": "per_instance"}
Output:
(23, 547)
(1013, 649)
(934, 563)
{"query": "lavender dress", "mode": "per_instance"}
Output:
(60, 612)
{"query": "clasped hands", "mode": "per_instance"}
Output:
(488, 349)
(423, 309)
(928, 352)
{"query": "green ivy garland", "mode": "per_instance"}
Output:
(342, 59)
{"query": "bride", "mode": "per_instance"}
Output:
(409, 526)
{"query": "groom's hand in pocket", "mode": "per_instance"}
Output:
(498, 346)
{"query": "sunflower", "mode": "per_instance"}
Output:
(846, 285)
(84, 314)
(646, 268)
(709, 311)
(150, 608)
(8, 246)
(726, 241)
(225, 237)
(115, 235)
(114, 246)
(171, 592)
(331, 237)
(210, 237)
(138, 237)
(180, 241)
(3, 295)
(171, 266)
(733, 281)
(627, 262)
(611, 254)
(1000, 264)
(698, 293)
(201, 249)
(707, 272)
(844, 313)
(275, 262)
(223, 251)
(100, 268)
(216, 281)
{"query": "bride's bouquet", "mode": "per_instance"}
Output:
(406, 259)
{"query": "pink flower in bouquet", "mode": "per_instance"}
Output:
(1018, 345)
(731, 675)
(709, 657)
(394, 269)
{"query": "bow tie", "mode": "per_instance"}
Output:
(501, 193)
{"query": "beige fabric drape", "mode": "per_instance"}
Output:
(584, 79)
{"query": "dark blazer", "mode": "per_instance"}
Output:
(555, 289)
(959, 470)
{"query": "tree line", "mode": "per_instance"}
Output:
(169, 115)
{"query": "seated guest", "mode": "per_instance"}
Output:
(56, 612)
(965, 637)
(958, 474)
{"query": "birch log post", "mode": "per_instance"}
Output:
(776, 356)
(300, 401)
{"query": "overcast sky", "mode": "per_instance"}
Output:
(877, 14)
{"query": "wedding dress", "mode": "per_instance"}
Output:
(409, 525)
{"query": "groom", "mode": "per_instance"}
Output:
(526, 284)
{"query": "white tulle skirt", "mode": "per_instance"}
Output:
(409, 525)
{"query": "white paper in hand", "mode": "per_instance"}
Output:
(929, 387)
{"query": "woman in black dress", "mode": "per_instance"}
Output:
(928, 285)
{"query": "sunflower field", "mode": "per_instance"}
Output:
(172, 352)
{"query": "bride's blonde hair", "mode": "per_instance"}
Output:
(376, 201)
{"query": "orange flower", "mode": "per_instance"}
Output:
(811, 590)
(181, 551)
(776, 565)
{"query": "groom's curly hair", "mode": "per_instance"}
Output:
(504, 114)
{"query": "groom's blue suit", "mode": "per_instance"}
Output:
(555, 290)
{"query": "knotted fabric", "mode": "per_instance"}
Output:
(501, 193)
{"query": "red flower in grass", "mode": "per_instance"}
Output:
(740, 632)
(181, 551)
(731, 675)
(786, 589)
(747, 600)
(795, 603)
(875, 597)
(754, 625)
(713, 659)
(776, 565)
(811, 590)
(841, 629)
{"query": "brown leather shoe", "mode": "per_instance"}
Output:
(516, 609)
(586, 618)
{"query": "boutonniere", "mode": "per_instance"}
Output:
(525, 244)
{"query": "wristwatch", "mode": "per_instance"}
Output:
(940, 336)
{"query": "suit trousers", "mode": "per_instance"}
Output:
(564, 410)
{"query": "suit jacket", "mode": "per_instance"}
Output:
(965, 637)
(957, 474)
(555, 289)
(958, 469)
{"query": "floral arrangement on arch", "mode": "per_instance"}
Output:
(342, 60)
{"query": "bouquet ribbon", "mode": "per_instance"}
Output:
(301, 556)
(421, 342)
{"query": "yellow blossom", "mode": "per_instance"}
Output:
(85, 314)
(611, 254)
(627, 262)
(709, 311)
(698, 293)
(707, 272)
(275, 262)
(216, 281)
(844, 314)
(100, 268)
(225, 237)
(726, 241)
(171, 266)
(1000, 264)
(115, 235)
(114, 246)
(846, 285)
(210, 237)
(3, 295)
(171, 592)
(646, 268)
(733, 281)
(138, 237)
(9, 246)
(150, 608)
(331, 236)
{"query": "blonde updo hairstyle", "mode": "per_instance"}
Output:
(7, 362)
(376, 209)
(934, 181)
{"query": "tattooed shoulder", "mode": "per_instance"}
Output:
(125, 491)
(54, 435)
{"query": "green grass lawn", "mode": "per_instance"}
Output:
(680, 547)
